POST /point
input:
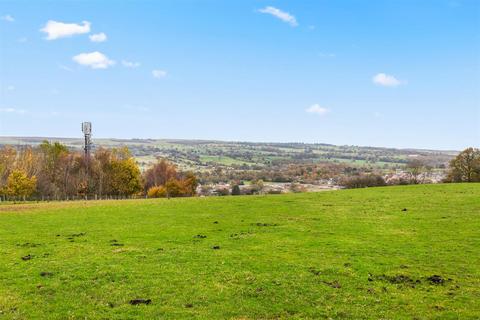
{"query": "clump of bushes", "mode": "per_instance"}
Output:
(157, 192)
(363, 181)
(163, 181)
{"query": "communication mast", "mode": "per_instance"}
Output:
(87, 131)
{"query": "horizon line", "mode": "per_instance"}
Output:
(235, 141)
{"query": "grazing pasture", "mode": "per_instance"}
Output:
(379, 253)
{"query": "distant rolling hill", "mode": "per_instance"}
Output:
(201, 154)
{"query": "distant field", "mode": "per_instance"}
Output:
(198, 155)
(221, 160)
(381, 253)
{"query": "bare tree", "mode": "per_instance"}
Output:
(416, 169)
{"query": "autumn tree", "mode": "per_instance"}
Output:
(257, 186)
(19, 185)
(101, 167)
(8, 157)
(465, 167)
(28, 161)
(174, 188)
(159, 174)
(50, 177)
(125, 174)
(189, 184)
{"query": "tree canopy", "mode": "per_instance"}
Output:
(466, 166)
(53, 171)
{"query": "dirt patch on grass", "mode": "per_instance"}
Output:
(334, 284)
(136, 302)
(117, 244)
(260, 224)
(27, 257)
(76, 235)
(72, 237)
(402, 279)
(437, 280)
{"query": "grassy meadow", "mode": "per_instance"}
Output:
(408, 252)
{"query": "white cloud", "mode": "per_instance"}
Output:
(12, 110)
(282, 15)
(327, 55)
(7, 18)
(130, 64)
(55, 29)
(10, 88)
(98, 37)
(159, 73)
(317, 109)
(94, 60)
(386, 80)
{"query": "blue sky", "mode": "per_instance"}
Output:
(395, 73)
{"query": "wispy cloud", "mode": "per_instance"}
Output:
(63, 67)
(130, 64)
(13, 110)
(98, 37)
(317, 109)
(56, 30)
(282, 15)
(7, 18)
(94, 60)
(327, 55)
(159, 74)
(10, 88)
(386, 80)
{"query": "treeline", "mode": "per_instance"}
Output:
(53, 172)
(465, 167)
(300, 173)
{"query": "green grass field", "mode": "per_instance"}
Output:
(353, 254)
